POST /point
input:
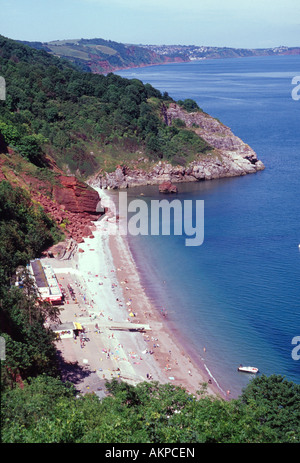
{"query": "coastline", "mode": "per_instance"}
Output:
(172, 355)
(175, 334)
(172, 351)
(109, 295)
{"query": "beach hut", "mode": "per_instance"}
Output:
(64, 330)
(67, 330)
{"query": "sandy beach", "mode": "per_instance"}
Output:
(111, 305)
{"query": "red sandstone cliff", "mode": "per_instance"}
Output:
(72, 204)
(76, 196)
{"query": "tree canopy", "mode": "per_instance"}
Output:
(47, 411)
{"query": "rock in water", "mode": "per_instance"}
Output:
(167, 187)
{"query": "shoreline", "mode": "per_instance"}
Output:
(181, 340)
(204, 58)
(112, 304)
(180, 361)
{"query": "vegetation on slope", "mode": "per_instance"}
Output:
(25, 230)
(84, 121)
(46, 411)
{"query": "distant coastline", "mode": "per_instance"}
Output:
(101, 56)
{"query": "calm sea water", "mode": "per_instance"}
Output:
(237, 295)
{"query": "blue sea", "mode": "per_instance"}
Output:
(236, 298)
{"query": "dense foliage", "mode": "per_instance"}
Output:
(82, 120)
(189, 105)
(25, 230)
(46, 411)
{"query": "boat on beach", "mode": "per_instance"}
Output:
(248, 369)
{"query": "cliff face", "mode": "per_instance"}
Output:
(75, 196)
(101, 66)
(71, 203)
(229, 157)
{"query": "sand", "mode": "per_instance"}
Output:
(108, 293)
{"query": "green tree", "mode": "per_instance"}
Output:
(279, 402)
(189, 105)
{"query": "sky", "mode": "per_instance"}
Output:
(230, 23)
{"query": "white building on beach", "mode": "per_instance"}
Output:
(45, 281)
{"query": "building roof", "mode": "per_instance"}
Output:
(39, 274)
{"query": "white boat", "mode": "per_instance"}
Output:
(248, 369)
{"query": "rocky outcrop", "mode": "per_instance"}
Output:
(72, 204)
(229, 156)
(75, 196)
(76, 226)
(167, 187)
(211, 130)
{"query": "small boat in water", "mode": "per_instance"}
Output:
(248, 369)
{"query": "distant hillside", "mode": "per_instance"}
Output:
(102, 56)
